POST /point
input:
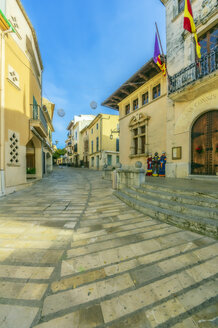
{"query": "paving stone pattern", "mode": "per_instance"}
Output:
(72, 255)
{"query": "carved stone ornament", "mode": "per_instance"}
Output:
(138, 119)
(208, 7)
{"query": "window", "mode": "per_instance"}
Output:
(145, 98)
(135, 104)
(97, 144)
(92, 145)
(117, 159)
(181, 5)
(135, 131)
(109, 160)
(209, 40)
(156, 91)
(93, 161)
(97, 126)
(139, 140)
(142, 140)
(117, 145)
(135, 140)
(91, 131)
(127, 109)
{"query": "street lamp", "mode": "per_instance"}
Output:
(116, 130)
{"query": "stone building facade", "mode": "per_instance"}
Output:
(142, 104)
(183, 120)
(192, 116)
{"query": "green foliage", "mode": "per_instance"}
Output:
(59, 153)
(31, 170)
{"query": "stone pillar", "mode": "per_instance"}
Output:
(130, 177)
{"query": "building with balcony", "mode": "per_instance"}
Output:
(103, 140)
(25, 123)
(192, 117)
(74, 142)
(142, 105)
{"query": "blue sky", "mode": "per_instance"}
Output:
(89, 48)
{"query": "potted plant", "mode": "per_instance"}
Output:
(199, 149)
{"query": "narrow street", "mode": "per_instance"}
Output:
(73, 255)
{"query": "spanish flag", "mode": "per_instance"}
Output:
(157, 58)
(189, 25)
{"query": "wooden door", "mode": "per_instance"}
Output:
(205, 144)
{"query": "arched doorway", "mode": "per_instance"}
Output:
(204, 142)
(30, 158)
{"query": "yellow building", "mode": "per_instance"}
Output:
(24, 121)
(142, 105)
(85, 146)
(103, 141)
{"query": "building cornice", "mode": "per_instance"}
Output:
(33, 32)
(142, 76)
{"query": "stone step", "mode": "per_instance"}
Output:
(194, 210)
(178, 197)
(197, 224)
(187, 191)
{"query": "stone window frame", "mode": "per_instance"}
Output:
(97, 143)
(144, 96)
(181, 6)
(135, 104)
(137, 123)
(127, 109)
(155, 96)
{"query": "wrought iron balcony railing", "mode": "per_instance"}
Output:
(206, 65)
(39, 115)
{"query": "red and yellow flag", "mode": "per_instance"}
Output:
(189, 25)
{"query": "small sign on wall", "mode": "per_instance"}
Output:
(176, 152)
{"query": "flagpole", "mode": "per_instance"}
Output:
(159, 40)
(158, 35)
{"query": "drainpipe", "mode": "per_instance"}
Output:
(2, 104)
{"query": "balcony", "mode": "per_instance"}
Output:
(186, 84)
(38, 121)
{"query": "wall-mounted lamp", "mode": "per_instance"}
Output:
(116, 130)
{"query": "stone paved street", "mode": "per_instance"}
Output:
(73, 255)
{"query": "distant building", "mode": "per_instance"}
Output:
(103, 140)
(74, 142)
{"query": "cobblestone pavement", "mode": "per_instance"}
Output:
(72, 255)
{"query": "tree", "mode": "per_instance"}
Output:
(59, 152)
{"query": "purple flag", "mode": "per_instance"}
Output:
(156, 49)
(157, 58)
